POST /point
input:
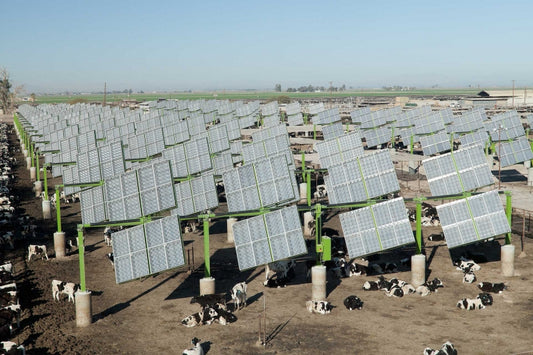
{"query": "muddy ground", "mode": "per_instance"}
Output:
(144, 316)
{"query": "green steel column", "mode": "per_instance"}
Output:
(509, 213)
(305, 118)
(411, 145)
(45, 182)
(206, 248)
(318, 232)
(531, 145)
(418, 226)
(37, 165)
(308, 189)
(32, 156)
(81, 257)
(58, 210)
(314, 131)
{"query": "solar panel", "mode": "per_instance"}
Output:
(164, 243)
(374, 119)
(267, 133)
(505, 126)
(92, 205)
(375, 228)
(315, 109)
(122, 197)
(130, 254)
(332, 131)
(248, 121)
(218, 138)
(358, 180)
(513, 152)
(175, 132)
(377, 136)
(429, 123)
(196, 195)
(189, 158)
(358, 116)
(435, 143)
(468, 122)
(473, 219)
(327, 116)
(263, 183)
(293, 108)
(344, 148)
(271, 121)
(459, 171)
(111, 158)
(156, 188)
(222, 162)
(295, 120)
(269, 109)
(270, 237)
(263, 149)
(477, 137)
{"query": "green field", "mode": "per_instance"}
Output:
(250, 95)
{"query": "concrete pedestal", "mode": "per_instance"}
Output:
(527, 164)
(308, 217)
(33, 173)
(59, 244)
(28, 163)
(530, 177)
(318, 280)
(418, 269)
(229, 229)
(83, 309)
(25, 152)
(23, 147)
(47, 212)
(507, 259)
(303, 191)
(207, 286)
(38, 188)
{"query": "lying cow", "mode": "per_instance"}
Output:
(62, 287)
(466, 265)
(196, 348)
(238, 295)
(276, 282)
(39, 250)
(320, 307)
(210, 300)
(447, 349)
(207, 316)
(8, 267)
(8, 298)
(5, 277)
(492, 287)
(11, 348)
(480, 302)
(281, 268)
(353, 302)
(469, 277)
(11, 312)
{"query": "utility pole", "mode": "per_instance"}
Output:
(105, 92)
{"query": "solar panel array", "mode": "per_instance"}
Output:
(473, 219)
(514, 152)
(189, 158)
(377, 227)
(477, 137)
(361, 179)
(459, 171)
(315, 109)
(269, 109)
(294, 114)
(344, 148)
(195, 195)
(468, 122)
(377, 136)
(263, 183)
(435, 143)
(278, 145)
(332, 131)
(147, 249)
(358, 116)
(327, 116)
(505, 126)
(269, 237)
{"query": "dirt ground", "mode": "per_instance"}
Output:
(144, 316)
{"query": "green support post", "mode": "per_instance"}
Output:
(314, 131)
(305, 118)
(207, 261)
(308, 189)
(37, 165)
(418, 225)
(32, 156)
(531, 146)
(81, 257)
(509, 213)
(58, 209)
(411, 144)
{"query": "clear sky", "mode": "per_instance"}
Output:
(205, 45)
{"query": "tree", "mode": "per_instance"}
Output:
(5, 91)
(277, 87)
(32, 97)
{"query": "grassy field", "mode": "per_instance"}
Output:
(250, 95)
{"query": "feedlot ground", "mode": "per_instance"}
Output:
(144, 317)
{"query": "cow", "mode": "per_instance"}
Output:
(354, 269)
(37, 250)
(469, 277)
(395, 291)
(111, 259)
(224, 316)
(466, 265)
(238, 295)
(321, 192)
(205, 317)
(5, 277)
(279, 267)
(353, 302)
(276, 282)
(14, 310)
(8, 298)
(320, 307)
(196, 348)
(429, 286)
(436, 237)
(62, 287)
(485, 298)
(447, 349)
(492, 287)
(8, 287)
(206, 301)
(470, 304)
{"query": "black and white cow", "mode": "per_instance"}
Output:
(14, 310)
(320, 307)
(39, 250)
(321, 192)
(469, 277)
(485, 298)
(238, 295)
(353, 302)
(196, 348)
(11, 348)
(8, 298)
(62, 287)
(429, 286)
(466, 265)
(447, 349)
(206, 301)
(470, 304)
(111, 258)
(5, 277)
(281, 268)
(354, 269)
(7, 266)
(492, 287)
(277, 282)
(436, 237)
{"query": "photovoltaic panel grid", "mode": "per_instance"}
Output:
(315, 109)
(407, 134)
(473, 219)
(175, 132)
(147, 249)
(327, 116)
(156, 188)
(122, 197)
(222, 162)
(332, 131)
(435, 143)
(514, 152)
(358, 116)
(264, 183)
(218, 138)
(195, 195)
(269, 237)
(189, 158)
(92, 205)
(375, 228)
(375, 119)
(428, 124)
(295, 120)
(293, 108)
(358, 180)
(344, 148)
(468, 122)
(269, 109)
(505, 126)
(458, 171)
(377, 136)
(271, 121)
(267, 133)
(478, 137)
(111, 157)
(263, 149)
